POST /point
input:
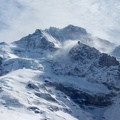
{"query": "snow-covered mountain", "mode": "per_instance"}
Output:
(85, 61)
(58, 74)
(71, 32)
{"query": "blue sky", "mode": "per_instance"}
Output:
(21, 17)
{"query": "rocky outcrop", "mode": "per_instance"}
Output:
(83, 53)
(107, 60)
(32, 86)
(83, 98)
(45, 96)
(35, 109)
(1, 67)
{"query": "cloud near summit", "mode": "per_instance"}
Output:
(21, 17)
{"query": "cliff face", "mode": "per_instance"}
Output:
(85, 61)
(36, 40)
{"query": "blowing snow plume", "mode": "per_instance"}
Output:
(66, 46)
(104, 46)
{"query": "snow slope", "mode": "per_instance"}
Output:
(18, 100)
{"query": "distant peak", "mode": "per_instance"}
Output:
(79, 42)
(75, 29)
(71, 26)
(3, 43)
(54, 29)
(38, 31)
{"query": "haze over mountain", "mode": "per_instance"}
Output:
(59, 74)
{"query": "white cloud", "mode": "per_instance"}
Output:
(21, 17)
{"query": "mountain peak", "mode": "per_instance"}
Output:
(69, 32)
(38, 31)
(83, 52)
(73, 28)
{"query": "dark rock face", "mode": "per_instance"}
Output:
(106, 60)
(82, 52)
(35, 109)
(41, 43)
(85, 61)
(1, 89)
(32, 86)
(83, 98)
(37, 32)
(83, 58)
(46, 97)
(36, 40)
